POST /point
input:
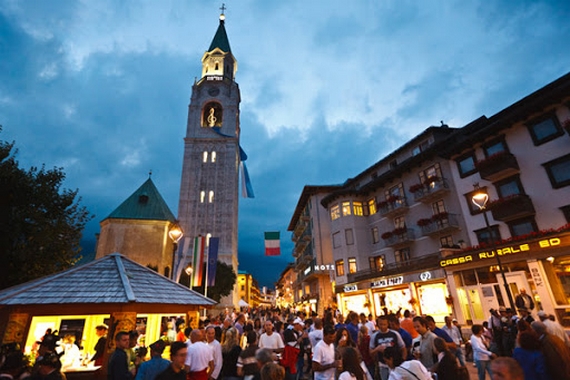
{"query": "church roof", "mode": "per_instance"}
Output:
(113, 279)
(145, 203)
(221, 39)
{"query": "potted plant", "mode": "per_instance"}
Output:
(400, 231)
(492, 159)
(415, 187)
(440, 216)
(424, 222)
(387, 235)
(392, 198)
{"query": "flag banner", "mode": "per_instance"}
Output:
(272, 244)
(198, 261)
(246, 187)
(212, 261)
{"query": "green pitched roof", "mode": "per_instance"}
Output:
(145, 203)
(221, 39)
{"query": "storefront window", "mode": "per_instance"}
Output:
(469, 277)
(486, 276)
(558, 272)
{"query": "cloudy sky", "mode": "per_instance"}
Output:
(101, 88)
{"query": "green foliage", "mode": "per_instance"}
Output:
(40, 224)
(225, 281)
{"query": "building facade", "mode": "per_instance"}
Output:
(405, 233)
(311, 230)
(208, 203)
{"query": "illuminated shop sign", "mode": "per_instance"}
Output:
(505, 251)
(387, 282)
(350, 288)
(322, 267)
(424, 276)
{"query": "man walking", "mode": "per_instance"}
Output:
(382, 339)
(324, 363)
(199, 359)
(455, 334)
(118, 368)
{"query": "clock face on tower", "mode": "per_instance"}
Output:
(214, 91)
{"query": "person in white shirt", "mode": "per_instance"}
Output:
(481, 354)
(216, 348)
(554, 328)
(316, 335)
(455, 334)
(324, 363)
(199, 359)
(271, 340)
(351, 368)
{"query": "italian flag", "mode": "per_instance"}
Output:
(272, 244)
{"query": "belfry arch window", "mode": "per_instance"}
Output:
(202, 196)
(210, 196)
(212, 115)
(214, 157)
(205, 157)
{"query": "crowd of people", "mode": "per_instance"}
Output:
(268, 344)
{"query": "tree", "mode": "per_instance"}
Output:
(225, 281)
(40, 223)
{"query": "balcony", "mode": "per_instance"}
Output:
(300, 228)
(395, 208)
(399, 236)
(497, 166)
(512, 207)
(422, 263)
(440, 224)
(430, 190)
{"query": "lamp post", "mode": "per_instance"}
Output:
(189, 271)
(480, 199)
(175, 234)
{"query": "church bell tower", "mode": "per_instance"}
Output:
(210, 170)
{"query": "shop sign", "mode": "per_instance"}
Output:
(504, 251)
(322, 267)
(350, 288)
(387, 282)
(425, 276)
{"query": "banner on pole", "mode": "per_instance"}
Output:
(272, 244)
(198, 261)
(212, 260)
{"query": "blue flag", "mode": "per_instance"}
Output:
(212, 260)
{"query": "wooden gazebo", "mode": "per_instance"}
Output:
(112, 287)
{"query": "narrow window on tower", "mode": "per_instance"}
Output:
(205, 157)
(208, 236)
(214, 156)
(202, 196)
(211, 196)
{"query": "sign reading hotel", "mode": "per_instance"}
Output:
(540, 245)
(387, 282)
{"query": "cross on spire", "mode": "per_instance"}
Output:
(223, 8)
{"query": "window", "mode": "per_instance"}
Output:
(346, 208)
(431, 174)
(495, 147)
(558, 171)
(351, 265)
(396, 193)
(393, 164)
(210, 196)
(202, 196)
(522, 226)
(375, 235)
(377, 262)
(357, 206)
(438, 207)
(483, 235)
(205, 157)
(402, 255)
(242, 288)
(446, 241)
(214, 156)
(339, 264)
(336, 240)
(466, 165)
(509, 186)
(544, 130)
(335, 212)
(349, 236)
(420, 148)
(372, 206)
(400, 222)
(566, 212)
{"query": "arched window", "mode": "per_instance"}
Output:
(202, 196)
(214, 156)
(205, 157)
(211, 196)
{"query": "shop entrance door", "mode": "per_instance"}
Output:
(516, 282)
(475, 306)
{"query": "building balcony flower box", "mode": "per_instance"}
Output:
(395, 207)
(431, 189)
(497, 166)
(400, 236)
(440, 223)
(511, 207)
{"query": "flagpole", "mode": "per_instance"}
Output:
(207, 259)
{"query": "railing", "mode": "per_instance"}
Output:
(420, 263)
(393, 208)
(431, 190)
(402, 238)
(448, 223)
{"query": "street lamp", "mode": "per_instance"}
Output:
(480, 199)
(175, 234)
(189, 271)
